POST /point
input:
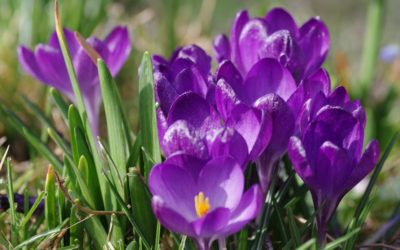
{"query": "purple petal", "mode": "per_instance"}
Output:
(212, 223)
(193, 164)
(197, 56)
(182, 137)
(309, 88)
(30, 65)
(314, 42)
(241, 19)
(170, 218)
(73, 44)
(222, 181)
(251, 40)
(222, 48)
(227, 71)
(279, 19)
(254, 126)
(366, 164)
(166, 181)
(230, 143)
(190, 107)
(283, 127)
(190, 79)
(278, 45)
(119, 45)
(331, 124)
(333, 166)
(165, 92)
(268, 76)
(298, 157)
(248, 208)
(225, 99)
(53, 66)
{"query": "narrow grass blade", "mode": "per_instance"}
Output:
(60, 103)
(32, 210)
(116, 124)
(310, 244)
(127, 212)
(338, 242)
(147, 110)
(36, 237)
(50, 199)
(183, 243)
(12, 208)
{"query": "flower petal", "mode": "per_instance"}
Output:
(222, 181)
(268, 76)
(248, 208)
(222, 49)
(119, 46)
(166, 181)
(190, 79)
(240, 21)
(225, 99)
(171, 219)
(211, 224)
(30, 65)
(190, 107)
(280, 19)
(251, 40)
(183, 137)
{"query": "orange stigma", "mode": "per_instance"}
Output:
(201, 204)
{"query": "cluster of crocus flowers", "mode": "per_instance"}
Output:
(47, 65)
(269, 95)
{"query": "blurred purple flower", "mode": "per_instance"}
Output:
(389, 53)
(19, 201)
(204, 200)
(301, 49)
(327, 153)
(46, 64)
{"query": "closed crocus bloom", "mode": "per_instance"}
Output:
(301, 49)
(266, 87)
(204, 200)
(46, 64)
(328, 155)
(188, 70)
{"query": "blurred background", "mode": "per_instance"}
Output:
(160, 26)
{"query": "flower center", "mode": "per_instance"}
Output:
(201, 204)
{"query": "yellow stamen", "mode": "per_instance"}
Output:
(201, 204)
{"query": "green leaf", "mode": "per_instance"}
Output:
(60, 103)
(116, 124)
(310, 244)
(36, 237)
(338, 242)
(50, 199)
(12, 209)
(32, 210)
(147, 110)
(126, 210)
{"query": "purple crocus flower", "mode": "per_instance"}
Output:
(46, 64)
(188, 69)
(212, 204)
(301, 49)
(266, 87)
(327, 153)
(19, 201)
(195, 128)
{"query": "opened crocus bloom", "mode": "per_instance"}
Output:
(327, 154)
(300, 49)
(204, 200)
(46, 64)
